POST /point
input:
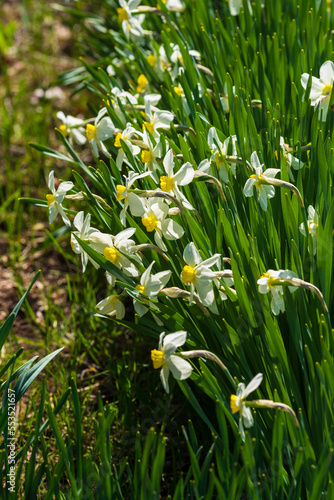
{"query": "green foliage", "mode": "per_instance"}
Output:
(244, 81)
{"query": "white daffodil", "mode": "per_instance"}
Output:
(115, 249)
(56, 199)
(126, 136)
(198, 275)
(265, 191)
(131, 200)
(125, 98)
(235, 6)
(267, 284)
(155, 219)
(177, 55)
(71, 128)
(150, 285)
(164, 358)
(321, 88)
(156, 119)
(237, 403)
(84, 232)
(219, 150)
(150, 154)
(112, 306)
(312, 226)
(102, 130)
(170, 182)
(290, 160)
(174, 5)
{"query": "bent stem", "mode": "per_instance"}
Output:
(203, 354)
(177, 293)
(286, 185)
(267, 403)
(147, 246)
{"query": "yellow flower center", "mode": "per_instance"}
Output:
(146, 156)
(117, 142)
(312, 225)
(178, 91)
(151, 223)
(119, 191)
(233, 403)
(157, 358)
(142, 83)
(149, 126)
(50, 199)
(111, 254)
(141, 289)
(151, 59)
(90, 131)
(166, 183)
(327, 90)
(63, 130)
(122, 14)
(188, 275)
(219, 159)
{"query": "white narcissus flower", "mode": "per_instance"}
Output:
(115, 249)
(175, 5)
(112, 306)
(126, 136)
(71, 128)
(267, 284)
(183, 177)
(219, 150)
(164, 358)
(321, 88)
(131, 200)
(312, 226)
(155, 219)
(237, 403)
(290, 160)
(198, 275)
(56, 198)
(102, 130)
(265, 191)
(156, 119)
(235, 6)
(84, 232)
(177, 55)
(150, 285)
(150, 154)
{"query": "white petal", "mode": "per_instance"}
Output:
(323, 108)
(146, 274)
(185, 175)
(255, 161)
(53, 212)
(158, 240)
(64, 187)
(169, 163)
(172, 341)
(253, 385)
(51, 183)
(171, 229)
(206, 294)
(263, 198)
(247, 417)
(180, 368)
(327, 73)
(164, 373)
(248, 188)
(105, 129)
(191, 255)
(271, 172)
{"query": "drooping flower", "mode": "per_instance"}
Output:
(237, 403)
(71, 128)
(112, 306)
(164, 358)
(156, 119)
(84, 232)
(219, 151)
(290, 160)
(170, 182)
(321, 88)
(102, 130)
(198, 275)
(312, 226)
(150, 285)
(115, 249)
(126, 136)
(264, 190)
(55, 199)
(131, 200)
(268, 283)
(155, 219)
